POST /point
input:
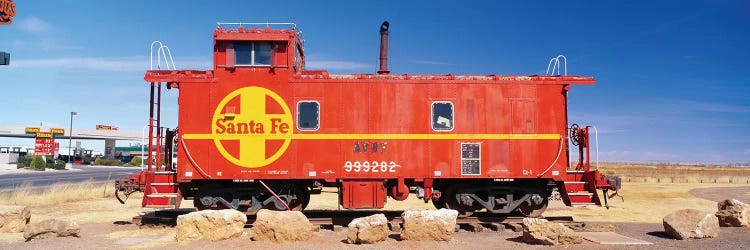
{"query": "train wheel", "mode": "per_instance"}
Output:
(203, 191)
(532, 211)
(439, 203)
(198, 204)
(450, 202)
(303, 198)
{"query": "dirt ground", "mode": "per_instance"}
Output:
(106, 224)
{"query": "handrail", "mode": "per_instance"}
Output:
(557, 62)
(161, 51)
(559, 151)
(190, 158)
(596, 143)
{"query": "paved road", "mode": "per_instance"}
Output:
(723, 193)
(46, 178)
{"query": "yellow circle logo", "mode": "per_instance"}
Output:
(247, 126)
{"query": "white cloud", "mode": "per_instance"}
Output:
(334, 65)
(107, 64)
(34, 25)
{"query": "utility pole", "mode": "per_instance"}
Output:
(70, 138)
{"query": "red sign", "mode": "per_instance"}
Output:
(44, 146)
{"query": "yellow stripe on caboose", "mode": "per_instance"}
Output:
(376, 136)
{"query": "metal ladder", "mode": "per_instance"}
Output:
(161, 180)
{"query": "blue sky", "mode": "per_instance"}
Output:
(672, 82)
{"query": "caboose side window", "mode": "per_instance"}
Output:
(442, 116)
(308, 115)
(252, 53)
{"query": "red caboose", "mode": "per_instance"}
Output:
(261, 131)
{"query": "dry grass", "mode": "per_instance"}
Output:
(56, 194)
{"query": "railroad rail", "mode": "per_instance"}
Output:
(335, 219)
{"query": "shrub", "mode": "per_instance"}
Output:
(107, 162)
(136, 161)
(38, 163)
(56, 164)
(23, 161)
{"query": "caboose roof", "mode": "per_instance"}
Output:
(323, 76)
(256, 31)
(289, 32)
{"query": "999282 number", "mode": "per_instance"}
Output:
(370, 167)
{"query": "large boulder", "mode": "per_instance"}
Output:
(733, 213)
(542, 232)
(210, 224)
(282, 226)
(13, 218)
(429, 224)
(691, 223)
(51, 228)
(368, 230)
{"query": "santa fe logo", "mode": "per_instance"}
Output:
(251, 127)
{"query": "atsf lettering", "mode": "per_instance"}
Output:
(369, 147)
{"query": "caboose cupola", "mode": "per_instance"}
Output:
(250, 46)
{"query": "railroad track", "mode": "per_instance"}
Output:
(334, 220)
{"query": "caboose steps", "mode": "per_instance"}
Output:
(580, 194)
(163, 195)
(160, 206)
(579, 188)
(162, 190)
(163, 184)
(583, 204)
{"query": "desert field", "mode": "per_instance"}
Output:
(106, 223)
(668, 173)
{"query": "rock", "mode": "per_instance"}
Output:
(51, 228)
(368, 230)
(429, 224)
(13, 218)
(733, 213)
(691, 223)
(543, 232)
(282, 226)
(210, 224)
